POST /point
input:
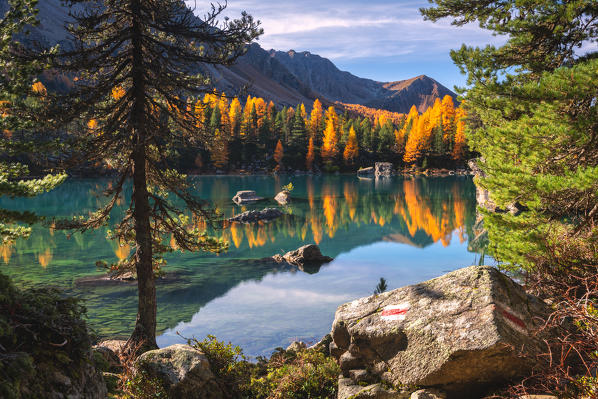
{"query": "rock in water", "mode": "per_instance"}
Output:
(384, 169)
(306, 255)
(366, 171)
(283, 197)
(184, 372)
(256, 216)
(246, 197)
(459, 332)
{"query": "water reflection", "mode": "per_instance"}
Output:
(340, 213)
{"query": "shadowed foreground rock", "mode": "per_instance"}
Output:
(460, 332)
(306, 255)
(256, 216)
(184, 372)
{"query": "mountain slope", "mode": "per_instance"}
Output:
(287, 78)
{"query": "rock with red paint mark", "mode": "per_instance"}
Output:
(461, 332)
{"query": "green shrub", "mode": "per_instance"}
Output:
(41, 333)
(307, 374)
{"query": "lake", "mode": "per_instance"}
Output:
(405, 230)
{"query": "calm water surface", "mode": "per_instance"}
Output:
(405, 230)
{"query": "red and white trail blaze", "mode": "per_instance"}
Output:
(395, 312)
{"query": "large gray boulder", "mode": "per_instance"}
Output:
(458, 332)
(183, 370)
(384, 169)
(267, 214)
(246, 197)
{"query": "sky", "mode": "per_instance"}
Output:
(384, 40)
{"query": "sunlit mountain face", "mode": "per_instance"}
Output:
(401, 229)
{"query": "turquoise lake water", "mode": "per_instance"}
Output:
(405, 230)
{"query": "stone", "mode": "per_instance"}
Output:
(348, 390)
(296, 346)
(283, 197)
(458, 332)
(366, 171)
(428, 394)
(183, 370)
(265, 215)
(306, 255)
(246, 197)
(323, 346)
(384, 169)
(106, 359)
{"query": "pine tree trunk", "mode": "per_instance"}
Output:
(144, 335)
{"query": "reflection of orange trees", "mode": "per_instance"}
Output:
(122, 251)
(330, 207)
(350, 193)
(418, 215)
(6, 252)
(237, 234)
(45, 258)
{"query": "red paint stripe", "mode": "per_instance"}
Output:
(393, 312)
(516, 320)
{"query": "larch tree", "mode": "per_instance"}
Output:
(278, 155)
(311, 154)
(21, 96)
(351, 148)
(329, 142)
(151, 49)
(459, 145)
(316, 119)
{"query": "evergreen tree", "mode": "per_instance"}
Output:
(150, 49)
(298, 140)
(20, 98)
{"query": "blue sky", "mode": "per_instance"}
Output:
(379, 39)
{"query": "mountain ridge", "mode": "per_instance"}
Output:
(287, 78)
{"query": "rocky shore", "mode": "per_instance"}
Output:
(465, 334)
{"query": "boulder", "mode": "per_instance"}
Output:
(366, 171)
(428, 394)
(306, 255)
(183, 371)
(348, 390)
(296, 346)
(283, 197)
(106, 355)
(459, 332)
(256, 216)
(246, 197)
(384, 169)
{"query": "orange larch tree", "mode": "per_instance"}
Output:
(329, 141)
(315, 119)
(460, 140)
(311, 155)
(278, 155)
(351, 148)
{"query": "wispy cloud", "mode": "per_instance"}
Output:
(352, 31)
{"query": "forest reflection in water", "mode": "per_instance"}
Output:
(340, 213)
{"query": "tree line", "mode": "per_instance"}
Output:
(257, 131)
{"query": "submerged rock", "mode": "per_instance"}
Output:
(256, 216)
(183, 371)
(306, 255)
(246, 197)
(459, 332)
(283, 197)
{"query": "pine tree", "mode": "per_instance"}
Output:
(20, 97)
(151, 50)
(459, 146)
(298, 140)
